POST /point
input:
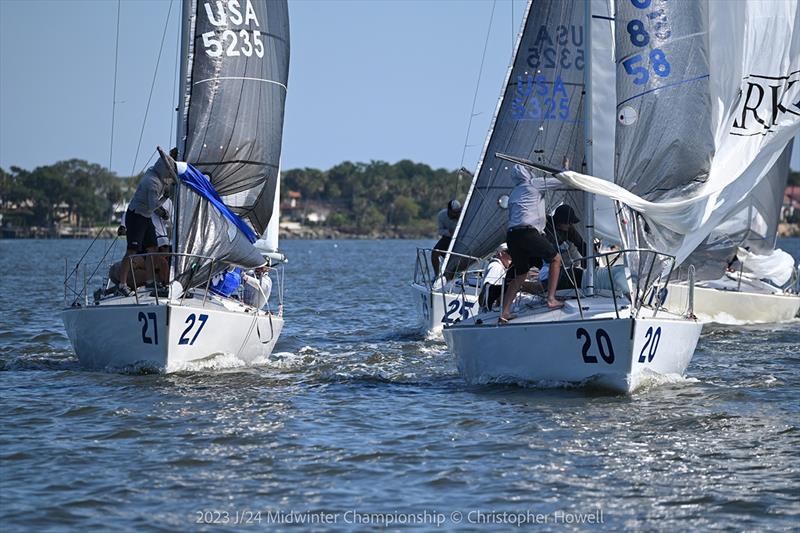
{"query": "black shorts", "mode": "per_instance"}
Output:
(141, 233)
(527, 248)
(443, 243)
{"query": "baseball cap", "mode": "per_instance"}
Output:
(454, 205)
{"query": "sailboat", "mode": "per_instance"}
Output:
(742, 277)
(233, 88)
(686, 150)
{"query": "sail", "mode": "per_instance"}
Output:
(603, 91)
(539, 116)
(708, 96)
(234, 93)
(212, 231)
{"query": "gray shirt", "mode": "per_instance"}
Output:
(526, 201)
(447, 225)
(150, 190)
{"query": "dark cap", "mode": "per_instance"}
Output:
(565, 215)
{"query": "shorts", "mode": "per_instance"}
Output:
(141, 233)
(443, 243)
(528, 248)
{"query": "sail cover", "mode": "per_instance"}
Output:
(708, 96)
(234, 94)
(539, 116)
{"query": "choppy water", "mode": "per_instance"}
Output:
(358, 415)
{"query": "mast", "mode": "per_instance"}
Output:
(587, 148)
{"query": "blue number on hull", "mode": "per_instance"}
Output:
(145, 337)
(191, 321)
(651, 341)
(604, 346)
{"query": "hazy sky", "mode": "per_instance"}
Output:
(369, 79)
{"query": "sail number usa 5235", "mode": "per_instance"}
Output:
(231, 42)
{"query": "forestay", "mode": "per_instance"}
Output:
(708, 97)
(539, 116)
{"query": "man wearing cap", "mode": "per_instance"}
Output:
(140, 231)
(525, 237)
(567, 240)
(447, 220)
(494, 277)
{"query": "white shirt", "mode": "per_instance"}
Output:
(252, 294)
(495, 273)
(526, 201)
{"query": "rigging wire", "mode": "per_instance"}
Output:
(175, 74)
(152, 86)
(114, 95)
(472, 114)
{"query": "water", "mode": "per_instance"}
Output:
(357, 413)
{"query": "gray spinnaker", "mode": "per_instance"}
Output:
(235, 90)
(539, 117)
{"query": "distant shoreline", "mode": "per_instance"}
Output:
(785, 229)
(304, 233)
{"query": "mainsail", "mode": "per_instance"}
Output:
(708, 96)
(234, 75)
(539, 116)
(234, 93)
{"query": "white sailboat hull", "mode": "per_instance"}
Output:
(619, 354)
(733, 307)
(167, 336)
(438, 309)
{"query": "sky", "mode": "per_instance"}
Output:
(368, 80)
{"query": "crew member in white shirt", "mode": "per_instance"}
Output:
(257, 288)
(494, 277)
(525, 237)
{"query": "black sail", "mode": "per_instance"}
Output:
(235, 90)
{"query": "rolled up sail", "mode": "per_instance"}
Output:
(234, 95)
(539, 116)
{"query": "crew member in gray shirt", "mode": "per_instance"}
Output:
(140, 231)
(446, 220)
(527, 244)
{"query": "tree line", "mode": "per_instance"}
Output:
(360, 197)
(47, 194)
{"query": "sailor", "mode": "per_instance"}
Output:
(567, 240)
(494, 277)
(257, 287)
(526, 242)
(140, 231)
(446, 220)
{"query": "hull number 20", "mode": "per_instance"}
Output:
(604, 347)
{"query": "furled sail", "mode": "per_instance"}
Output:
(708, 97)
(234, 94)
(539, 116)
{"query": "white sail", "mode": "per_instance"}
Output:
(752, 52)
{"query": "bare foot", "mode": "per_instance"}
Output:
(506, 319)
(555, 304)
